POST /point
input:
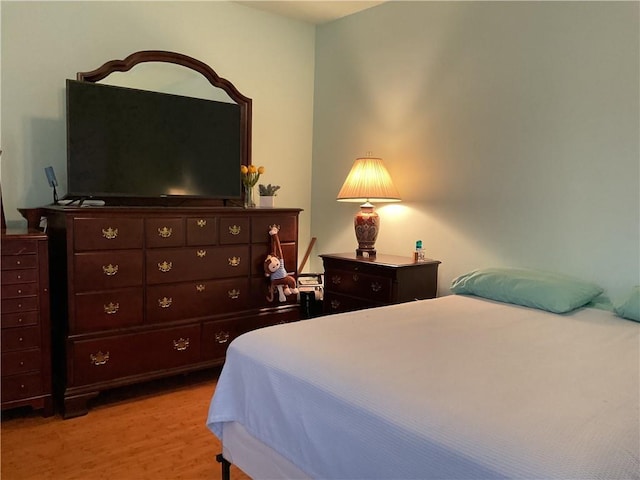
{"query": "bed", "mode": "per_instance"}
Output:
(458, 387)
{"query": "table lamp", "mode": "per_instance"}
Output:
(368, 181)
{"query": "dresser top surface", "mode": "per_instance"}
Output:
(380, 259)
(19, 232)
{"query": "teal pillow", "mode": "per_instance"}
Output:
(548, 291)
(630, 307)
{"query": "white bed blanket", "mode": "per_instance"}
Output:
(451, 388)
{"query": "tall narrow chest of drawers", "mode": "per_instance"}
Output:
(26, 335)
(147, 292)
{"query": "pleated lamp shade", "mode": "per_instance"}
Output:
(368, 181)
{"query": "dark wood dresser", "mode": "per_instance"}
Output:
(147, 292)
(353, 283)
(26, 334)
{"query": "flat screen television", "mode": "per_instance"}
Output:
(124, 142)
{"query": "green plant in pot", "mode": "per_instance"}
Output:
(267, 194)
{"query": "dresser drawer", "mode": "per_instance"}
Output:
(164, 232)
(19, 276)
(16, 387)
(19, 290)
(177, 265)
(20, 319)
(21, 361)
(18, 246)
(107, 310)
(121, 356)
(20, 304)
(111, 233)
(372, 287)
(216, 337)
(287, 224)
(20, 338)
(259, 254)
(234, 230)
(196, 299)
(105, 270)
(17, 262)
(202, 231)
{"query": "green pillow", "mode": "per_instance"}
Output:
(630, 307)
(548, 291)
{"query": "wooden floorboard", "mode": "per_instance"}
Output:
(151, 431)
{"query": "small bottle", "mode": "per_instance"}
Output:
(418, 256)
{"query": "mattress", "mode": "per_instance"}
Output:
(455, 387)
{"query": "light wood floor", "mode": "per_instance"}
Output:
(151, 431)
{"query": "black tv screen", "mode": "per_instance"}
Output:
(124, 142)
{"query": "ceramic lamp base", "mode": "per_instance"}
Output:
(367, 226)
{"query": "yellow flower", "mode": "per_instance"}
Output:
(251, 174)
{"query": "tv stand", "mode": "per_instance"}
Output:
(146, 292)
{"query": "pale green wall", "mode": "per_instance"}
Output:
(268, 58)
(509, 128)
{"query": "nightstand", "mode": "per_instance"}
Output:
(353, 283)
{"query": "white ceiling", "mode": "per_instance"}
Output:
(316, 12)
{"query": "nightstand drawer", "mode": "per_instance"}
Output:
(371, 287)
(335, 303)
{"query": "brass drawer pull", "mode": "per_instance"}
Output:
(111, 308)
(376, 287)
(201, 253)
(18, 262)
(99, 358)
(165, 302)
(233, 294)
(335, 304)
(181, 345)
(235, 229)
(110, 233)
(165, 266)
(165, 232)
(201, 223)
(234, 261)
(222, 337)
(200, 287)
(110, 270)
(356, 277)
(336, 279)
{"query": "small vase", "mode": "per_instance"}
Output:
(249, 201)
(267, 201)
